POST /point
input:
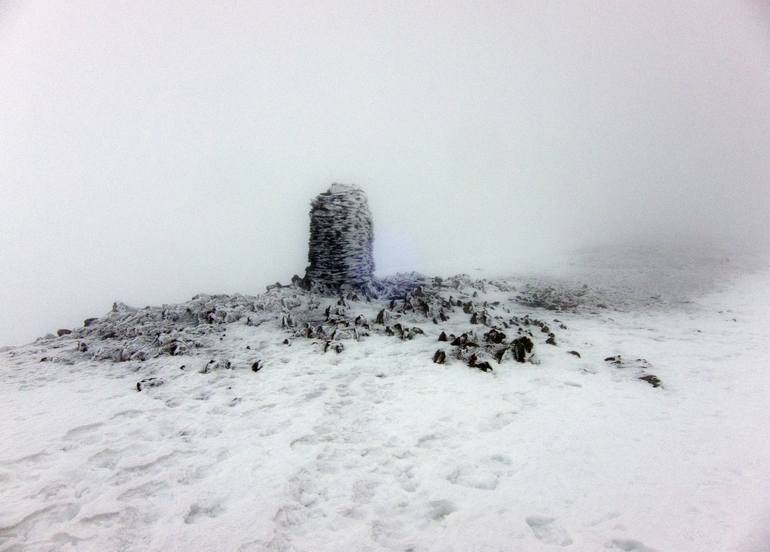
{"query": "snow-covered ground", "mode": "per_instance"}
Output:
(378, 448)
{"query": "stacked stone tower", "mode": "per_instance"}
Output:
(341, 236)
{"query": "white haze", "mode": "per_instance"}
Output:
(154, 150)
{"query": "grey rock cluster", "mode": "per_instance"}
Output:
(195, 328)
(340, 245)
(562, 297)
(640, 365)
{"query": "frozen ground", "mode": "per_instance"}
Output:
(377, 448)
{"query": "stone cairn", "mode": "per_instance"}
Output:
(340, 247)
(335, 301)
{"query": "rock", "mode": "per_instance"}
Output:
(439, 357)
(287, 321)
(256, 366)
(149, 382)
(442, 336)
(520, 347)
(174, 348)
(212, 365)
(575, 353)
(551, 340)
(82, 347)
(413, 331)
(63, 332)
(335, 346)
(652, 380)
(89, 322)
(117, 306)
(494, 336)
(528, 344)
(464, 341)
(484, 366)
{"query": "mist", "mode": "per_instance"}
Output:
(152, 151)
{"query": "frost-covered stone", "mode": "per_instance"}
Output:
(340, 245)
(401, 306)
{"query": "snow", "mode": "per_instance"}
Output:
(377, 448)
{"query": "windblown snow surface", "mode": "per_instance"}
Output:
(378, 448)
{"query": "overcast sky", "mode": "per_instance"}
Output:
(153, 150)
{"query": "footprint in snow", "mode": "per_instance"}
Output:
(407, 479)
(144, 491)
(314, 394)
(548, 530)
(439, 509)
(429, 440)
(364, 490)
(629, 545)
(485, 475)
(82, 435)
(105, 519)
(290, 515)
(310, 439)
(206, 509)
(49, 516)
(106, 458)
(51, 491)
(31, 459)
(127, 414)
(498, 421)
(499, 463)
(474, 476)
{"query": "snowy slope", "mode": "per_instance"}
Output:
(378, 448)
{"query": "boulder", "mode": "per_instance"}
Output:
(439, 357)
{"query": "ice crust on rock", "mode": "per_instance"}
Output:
(397, 306)
(341, 236)
(409, 306)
